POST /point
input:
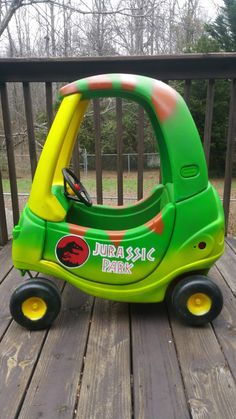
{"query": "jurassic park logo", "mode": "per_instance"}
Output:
(121, 260)
(72, 251)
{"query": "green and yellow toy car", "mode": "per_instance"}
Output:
(164, 244)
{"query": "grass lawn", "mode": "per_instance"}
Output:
(23, 184)
(129, 189)
(110, 183)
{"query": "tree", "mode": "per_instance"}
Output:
(207, 44)
(223, 29)
(219, 36)
(99, 31)
(14, 5)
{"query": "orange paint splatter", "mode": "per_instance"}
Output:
(68, 89)
(116, 237)
(79, 231)
(164, 99)
(156, 224)
(99, 82)
(128, 81)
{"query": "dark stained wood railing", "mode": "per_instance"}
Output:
(49, 103)
(3, 220)
(119, 151)
(163, 67)
(208, 119)
(98, 152)
(140, 136)
(230, 150)
(187, 68)
(30, 127)
(10, 153)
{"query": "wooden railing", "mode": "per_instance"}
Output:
(187, 67)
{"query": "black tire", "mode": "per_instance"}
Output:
(35, 304)
(197, 300)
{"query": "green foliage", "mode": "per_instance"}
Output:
(206, 44)
(198, 95)
(109, 129)
(86, 136)
(223, 29)
(220, 122)
(219, 127)
(41, 127)
(220, 35)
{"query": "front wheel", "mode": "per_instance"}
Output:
(197, 300)
(35, 304)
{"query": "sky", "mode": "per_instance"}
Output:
(211, 7)
(209, 11)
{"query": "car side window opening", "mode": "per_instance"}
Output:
(117, 140)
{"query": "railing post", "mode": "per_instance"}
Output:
(229, 153)
(208, 119)
(85, 162)
(10, 152)
(140, 151)
(98, 156)
(119, 151)
(30, 127)
(49, 105)
(3, 220)
(76, 159)
(128, 162)
(187, 88)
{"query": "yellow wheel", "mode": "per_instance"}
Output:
(34, 308)
(197, 300)
(35, 304)
(199, 304)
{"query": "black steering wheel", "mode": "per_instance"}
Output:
(80, 193)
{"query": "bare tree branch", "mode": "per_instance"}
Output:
(125, 11)
(15, 4)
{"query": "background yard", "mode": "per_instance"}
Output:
(130, 190)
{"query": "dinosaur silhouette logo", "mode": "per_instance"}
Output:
(72, 251)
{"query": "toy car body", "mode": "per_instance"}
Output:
(130, 253)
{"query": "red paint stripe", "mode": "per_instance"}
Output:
(164, 99)
(78, 231)
(128, 81)
(69, 89)
(116, 237)
(99, 82)
(156, 224)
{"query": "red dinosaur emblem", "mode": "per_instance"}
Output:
(72, 251)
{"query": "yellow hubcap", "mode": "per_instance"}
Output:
(199, 304)
(34, 308)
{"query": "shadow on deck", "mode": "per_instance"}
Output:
(109, 360)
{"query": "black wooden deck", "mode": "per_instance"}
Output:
(109, 360)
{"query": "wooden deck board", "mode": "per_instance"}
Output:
(6, 263)
(225, 324)
(157, 379)
(105, 390)
(209, 385)
(118, 361)
(60, 362)
(227, 266)
(231, 241)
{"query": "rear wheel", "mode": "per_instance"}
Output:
(35, 304)
(197, 300)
